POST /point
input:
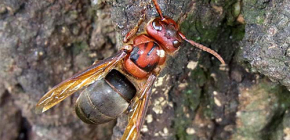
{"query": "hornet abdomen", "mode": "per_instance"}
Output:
(105, 99)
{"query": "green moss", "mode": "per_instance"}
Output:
(210, 26)
(206, 26)
(262, 114)
(254, 11)
(181, 123)
(190, 100)
(236, 10)
(238, 32)
(232, 10)
(79, 47)
(199, 76)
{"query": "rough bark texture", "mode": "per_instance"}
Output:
(266, 44)
(264, 107)
(45, 42)
(42, 43)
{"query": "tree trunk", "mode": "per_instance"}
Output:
(45, 42)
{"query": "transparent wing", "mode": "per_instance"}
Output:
(69, 86)
(139, 111)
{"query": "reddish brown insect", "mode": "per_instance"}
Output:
(125, 79)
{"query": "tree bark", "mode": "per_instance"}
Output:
(45, 42)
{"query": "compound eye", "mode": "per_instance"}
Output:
(156, 25)
(176, 43)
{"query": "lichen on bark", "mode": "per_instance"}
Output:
(45, 42)
(266, 44)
